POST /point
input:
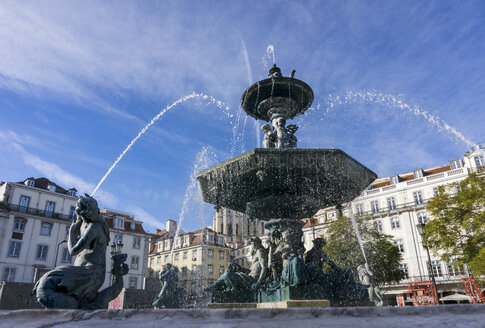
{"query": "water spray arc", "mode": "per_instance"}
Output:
(193, 95)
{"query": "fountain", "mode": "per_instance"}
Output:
(281, 184)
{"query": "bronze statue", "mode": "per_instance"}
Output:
(238, 278)
(76, 287)
(169, 278)
(365, 277)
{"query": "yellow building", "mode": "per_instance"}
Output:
(201, 256)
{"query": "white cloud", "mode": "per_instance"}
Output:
(145, 217)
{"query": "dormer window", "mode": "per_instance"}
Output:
(186, 240)
(456, 163)
(119, 223)
(211, 237)
(71, 192)
(132, 226)
(51, 187)
(30, 182)
(418, 173)
(394, 179)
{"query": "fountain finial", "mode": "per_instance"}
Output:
(275, 71)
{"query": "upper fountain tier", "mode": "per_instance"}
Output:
(277, 96)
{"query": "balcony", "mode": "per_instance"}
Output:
(36, 212)
(396, 209)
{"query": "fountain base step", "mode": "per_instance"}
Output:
(272, 305)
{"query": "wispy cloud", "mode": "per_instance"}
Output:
(145, 217)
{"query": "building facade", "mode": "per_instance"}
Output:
(35, 216)
(201, 257)
(235, 225)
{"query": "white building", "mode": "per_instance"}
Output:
(35, 216)
(396, 205)
(236, 226)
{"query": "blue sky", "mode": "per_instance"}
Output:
(78, 81)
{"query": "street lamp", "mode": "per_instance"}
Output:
(116, 248)
(422, 231)
(57, 251)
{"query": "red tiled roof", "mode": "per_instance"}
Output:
(410, 176)
(138, 225)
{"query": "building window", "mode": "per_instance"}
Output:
(404, 268)
(422, 217)
(418, 197)
(30, 183)
(66, 256)
(136, 242)
(479, 162)
(119, 223)
(177, 242)
(210, 269)
(184, 271)
(435, 191)
(176, 256)
(72, 213)
(221, 240)
(167, 244)
(454, 270)
(194, 269)
(221, 269)
(185, 255)
(374, 206)
(49, 208)
(45, 229)
(132, 225)
(51, 188)
(321, 217)
(132, 282)
(194, 255)
(41, 252)
(72, 193)
(19, 225)
(9, 274)
(165, 259)
(14, 248)
(210, 253)
(455, 164)
(400, 245)
(186, 240)
(159, 259)
(24, 203)
(457, 188)
(211, 237)
(221, 255)
(359, 209)
(118, 238)
(436, 267)
(391, 203)
(134, 262)
(378, 225)
(395, 223)
(394, 179)
(418, 173)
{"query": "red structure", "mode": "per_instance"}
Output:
(424, 292)
(473, 290)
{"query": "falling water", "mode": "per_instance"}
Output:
(362, 96)
(269, 55)
(203, 160)
(357, 232)
(200, 96)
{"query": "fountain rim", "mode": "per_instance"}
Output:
(269, 82)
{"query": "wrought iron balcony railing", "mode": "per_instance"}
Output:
(37, 212)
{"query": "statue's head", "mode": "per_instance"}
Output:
(266, 128)
(280, 122)
(292, 128)
(319, 242)
(87, 208)
(256, 242)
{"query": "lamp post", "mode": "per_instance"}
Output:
(57, 250)
(116, 248)
(422, 231)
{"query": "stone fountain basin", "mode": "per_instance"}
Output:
(284, 183)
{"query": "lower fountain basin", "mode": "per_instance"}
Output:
(284, 183)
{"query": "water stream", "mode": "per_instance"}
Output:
(200, 96)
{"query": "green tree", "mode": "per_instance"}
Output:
(457, 229)
(383, 256)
